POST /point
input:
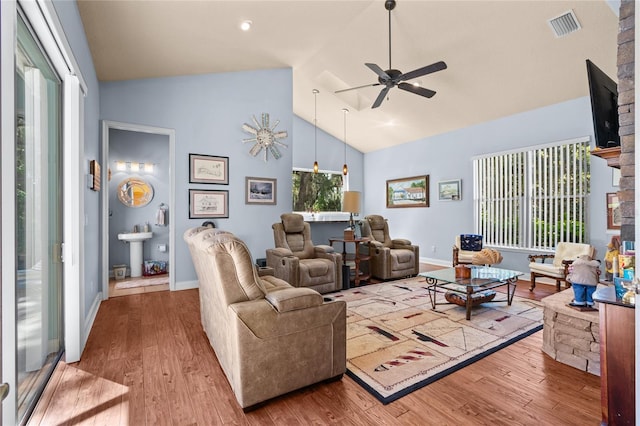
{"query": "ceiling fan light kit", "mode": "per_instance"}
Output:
(391, 77)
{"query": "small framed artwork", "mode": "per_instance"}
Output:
(208, 169)
(260, 190)
(614, 215)
(408, 192)
(450, 190)
(94, 170)
(207, 203)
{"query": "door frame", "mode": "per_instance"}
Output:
(107, 125)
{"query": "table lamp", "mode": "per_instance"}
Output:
(351, 204)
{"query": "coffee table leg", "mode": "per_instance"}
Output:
(431, 289)
(468, 304)
(511, 282)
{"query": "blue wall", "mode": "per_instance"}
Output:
(449, 156)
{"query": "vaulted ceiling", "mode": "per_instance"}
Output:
(502, 56)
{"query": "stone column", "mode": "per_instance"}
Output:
(626, 111)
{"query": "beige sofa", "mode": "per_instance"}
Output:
(270, 338)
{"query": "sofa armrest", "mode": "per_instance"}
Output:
(541, 257)
(400, 242)
(279, 252)
(292, 299)
(322, 248)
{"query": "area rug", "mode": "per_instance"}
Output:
(397, 344)
(142, 282)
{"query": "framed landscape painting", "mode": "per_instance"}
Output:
(260, 190)
(450, 190)
(408, 192)
(208, 169)
(614, 215)
(206, 204)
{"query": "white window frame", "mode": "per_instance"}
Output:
(513, 199)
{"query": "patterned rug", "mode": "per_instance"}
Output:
(142, 282)
(397, 344)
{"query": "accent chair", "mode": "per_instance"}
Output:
(558, 269)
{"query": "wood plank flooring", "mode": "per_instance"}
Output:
(148, 362)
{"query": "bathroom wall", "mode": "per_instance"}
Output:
(138, 147)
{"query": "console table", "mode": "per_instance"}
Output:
(356, 257)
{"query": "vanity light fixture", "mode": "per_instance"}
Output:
(345, 169)
(315, 131)
(134, 166)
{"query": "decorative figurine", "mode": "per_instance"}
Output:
(613, 249)
(583, 276)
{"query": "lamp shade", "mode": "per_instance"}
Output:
(351, 202)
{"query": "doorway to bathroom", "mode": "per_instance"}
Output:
(138, 235)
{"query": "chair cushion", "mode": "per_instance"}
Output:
(317, 267)
(547, 269)
(376, 221)
(292, 222)
(570, 251)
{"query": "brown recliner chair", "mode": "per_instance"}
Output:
(269, 338)
(390, 258)
(297, 261)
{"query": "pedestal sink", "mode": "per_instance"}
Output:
(135, 240)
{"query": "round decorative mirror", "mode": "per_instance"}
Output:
(135, 192)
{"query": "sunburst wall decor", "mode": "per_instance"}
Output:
(265, 137)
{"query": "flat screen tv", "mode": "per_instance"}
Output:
(604, 107)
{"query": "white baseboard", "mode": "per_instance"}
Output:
(186, 285)
(90, 319)
(438, 262)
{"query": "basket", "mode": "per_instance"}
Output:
(476, 298)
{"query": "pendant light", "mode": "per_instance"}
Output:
(345, 169)
(315, 131)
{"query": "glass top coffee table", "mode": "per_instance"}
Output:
(483, 278)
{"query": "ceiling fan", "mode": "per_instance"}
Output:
(391, 78)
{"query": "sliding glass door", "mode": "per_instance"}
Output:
(38, 247)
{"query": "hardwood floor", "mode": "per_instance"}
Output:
(148, 362)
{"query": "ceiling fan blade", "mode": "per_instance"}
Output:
(380, 98)
(383, 75)
(438, 66)
(427, 93)
(359, 87)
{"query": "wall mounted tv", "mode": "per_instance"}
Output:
(604, 107)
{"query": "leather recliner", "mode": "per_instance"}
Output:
(390, 258)
(297, 261)
(269, 338)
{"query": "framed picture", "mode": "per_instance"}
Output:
(260, 190)
(614, 215)
(450, 190)
(207, 203)
(208, 169)
(408, 192)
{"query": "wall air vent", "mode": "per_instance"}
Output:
(564, 24)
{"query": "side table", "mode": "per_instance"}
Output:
(357, 257)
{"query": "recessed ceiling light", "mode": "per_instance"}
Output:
(245, 25)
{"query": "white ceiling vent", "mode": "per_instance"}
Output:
(564, 24)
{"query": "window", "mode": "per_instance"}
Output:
(317, 192)
(533, 198)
